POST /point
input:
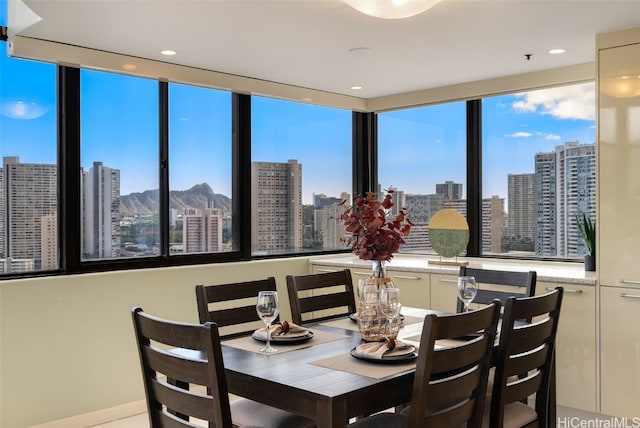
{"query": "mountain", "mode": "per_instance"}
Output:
(196, 197)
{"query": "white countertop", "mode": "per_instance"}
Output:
(566, 272)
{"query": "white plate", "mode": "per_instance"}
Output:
(283, 338)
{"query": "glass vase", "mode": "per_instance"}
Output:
(372, 323)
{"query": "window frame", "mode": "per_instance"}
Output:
(364, 172)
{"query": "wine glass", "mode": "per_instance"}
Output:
(390, 306)
(267, 308)
(467, 290)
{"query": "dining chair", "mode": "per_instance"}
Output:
(523, 283)
(315, 292)
(449, 387)
(232, 306)
(524, 363)
(184, 378)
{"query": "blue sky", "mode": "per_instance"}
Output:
(418, 147)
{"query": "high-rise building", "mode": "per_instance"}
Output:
(492, 221)
(576, 194)
(546, 209)
(565, 187)
(276, 206)
(522, 208)
(202, 231)
(100, 212)
(450, 190)
(49, 242)
(29, 197)
(328, 223)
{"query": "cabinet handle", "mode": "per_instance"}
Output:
(630, 296)
(566, 290)
(455, 281)
(326, 270)
(406, 277)
(630, 281)
(361, 273)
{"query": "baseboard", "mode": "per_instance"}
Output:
(98, 417)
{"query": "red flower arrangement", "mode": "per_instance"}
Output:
(373, 236)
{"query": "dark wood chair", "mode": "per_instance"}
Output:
(523, 283)
(211, 403)
(525, 363)
(449, 387)
(184, 379)
(232, 306)
(320, 292)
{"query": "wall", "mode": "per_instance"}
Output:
(67, 344)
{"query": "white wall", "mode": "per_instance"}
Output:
(67, 344)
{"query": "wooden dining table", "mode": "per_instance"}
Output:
(316, 379)
(294, 381)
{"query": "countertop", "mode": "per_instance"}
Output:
(565, 272)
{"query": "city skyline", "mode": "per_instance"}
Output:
(523, 123)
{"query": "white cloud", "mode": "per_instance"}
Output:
(520, 134)
(565, 102)
(552, 137)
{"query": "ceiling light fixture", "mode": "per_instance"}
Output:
(557, 51)
(356, 87)
(391, 9)
(168, 52)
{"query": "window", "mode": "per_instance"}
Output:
(301, 169)
(422, 155)
(539, 171)
(28, 183)
(200, 170)
(119, 158)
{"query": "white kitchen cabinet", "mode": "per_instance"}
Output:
(575, 345)
(620, 352)
(444, 294)
(618, 222)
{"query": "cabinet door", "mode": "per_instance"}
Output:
(575, 346)
(620, 351)
(619, 168)
(444, 294)
(414, 286)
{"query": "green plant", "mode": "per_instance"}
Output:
(588, 231)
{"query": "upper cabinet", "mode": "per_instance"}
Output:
(618, 222)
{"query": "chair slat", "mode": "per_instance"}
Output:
(184, 401)
(330, 290)
(529, 337)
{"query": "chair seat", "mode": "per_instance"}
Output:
(382, 420)
(516, 415)
(247, 413)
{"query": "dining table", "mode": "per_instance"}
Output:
(319, 378)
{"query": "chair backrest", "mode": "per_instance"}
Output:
(168, 375)
(450, 383)
(523, 283)
(318, 292)
(525, 354)
(232, 306)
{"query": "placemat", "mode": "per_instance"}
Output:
(376, 370)
(248, 343)
(343, 323)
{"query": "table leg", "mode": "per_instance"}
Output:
(332, 414)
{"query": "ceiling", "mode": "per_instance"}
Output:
(326, 45)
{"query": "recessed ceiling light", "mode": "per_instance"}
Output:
(129, 67)
(356, 87)
(168, 52)
(557, 51)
